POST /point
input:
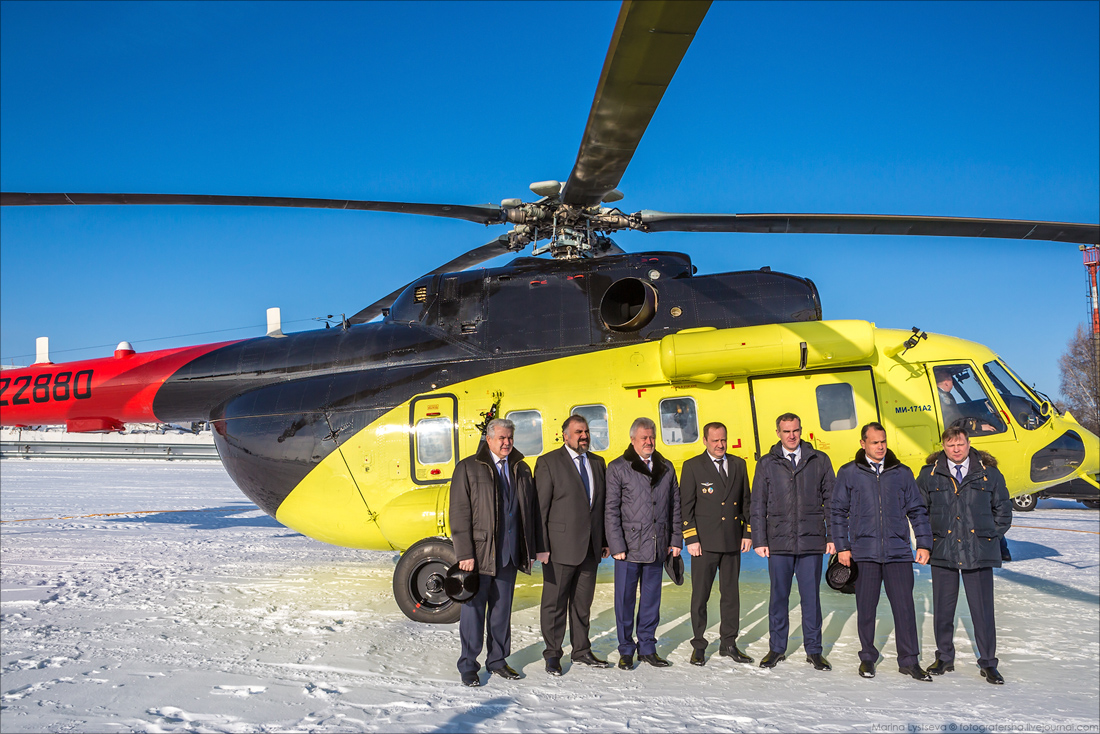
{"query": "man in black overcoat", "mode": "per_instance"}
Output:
(790, 493)
(970, 512)
(493, 518)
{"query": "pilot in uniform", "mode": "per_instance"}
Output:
(714, 502)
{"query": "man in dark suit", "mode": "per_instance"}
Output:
(571, 488)
(493, 518)
(714, 502)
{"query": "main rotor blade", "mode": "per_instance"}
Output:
(650, 39)
(484, 214)
(1010, 229)
(476, 256)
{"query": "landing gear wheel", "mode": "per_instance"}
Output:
(418, 582)
(1091, 504)
(1024, 502)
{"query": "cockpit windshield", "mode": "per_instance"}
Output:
(964, 402)
(1023, 407)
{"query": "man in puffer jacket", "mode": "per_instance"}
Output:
(874, 501)
(642, 526)
(970, 512)
(790, 496)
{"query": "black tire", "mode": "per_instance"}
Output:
(1091, 504)
(418, 582)
(1024, 502)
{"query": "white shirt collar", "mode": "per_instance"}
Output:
(965, 464)
(797, 453)
(496, 459)
(573, 454)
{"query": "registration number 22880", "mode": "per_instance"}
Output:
(46, 387)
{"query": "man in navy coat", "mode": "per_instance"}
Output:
(874, 501)
(642, 522)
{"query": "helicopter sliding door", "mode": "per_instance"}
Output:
(433, 438)
(833, 406)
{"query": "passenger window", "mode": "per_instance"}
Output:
(433, 440)
(964, 402)
(596, 415)
(679, 421)
(528, 436)
(836, 407)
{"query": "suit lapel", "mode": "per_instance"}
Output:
(570, 466)
(598, 489)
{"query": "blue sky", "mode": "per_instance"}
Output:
(984, 109)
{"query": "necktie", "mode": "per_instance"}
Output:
(791, 457)
(878, 467)
(649, 465)
(959, 472)
(584, 478)
(505, 484)
(721, 464)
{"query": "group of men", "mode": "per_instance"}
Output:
(574, 510)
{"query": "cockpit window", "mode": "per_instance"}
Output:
(1021, 405)
(963, 401)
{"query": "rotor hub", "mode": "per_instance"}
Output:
(574, 232)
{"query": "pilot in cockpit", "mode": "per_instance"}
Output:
(953, 415)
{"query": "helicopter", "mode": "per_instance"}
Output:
(349, 434)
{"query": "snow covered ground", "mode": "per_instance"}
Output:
(207, 615)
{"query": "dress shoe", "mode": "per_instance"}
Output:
(940, 667)
(772, 659)
(591, 660)
(992, 676)
(866, 669)
(698, 657)
(553, 666)
(654, 659)
(916, 671)
(819, 661)
(626, 662)
(736, 654)
(471, 680)
(506, 672)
